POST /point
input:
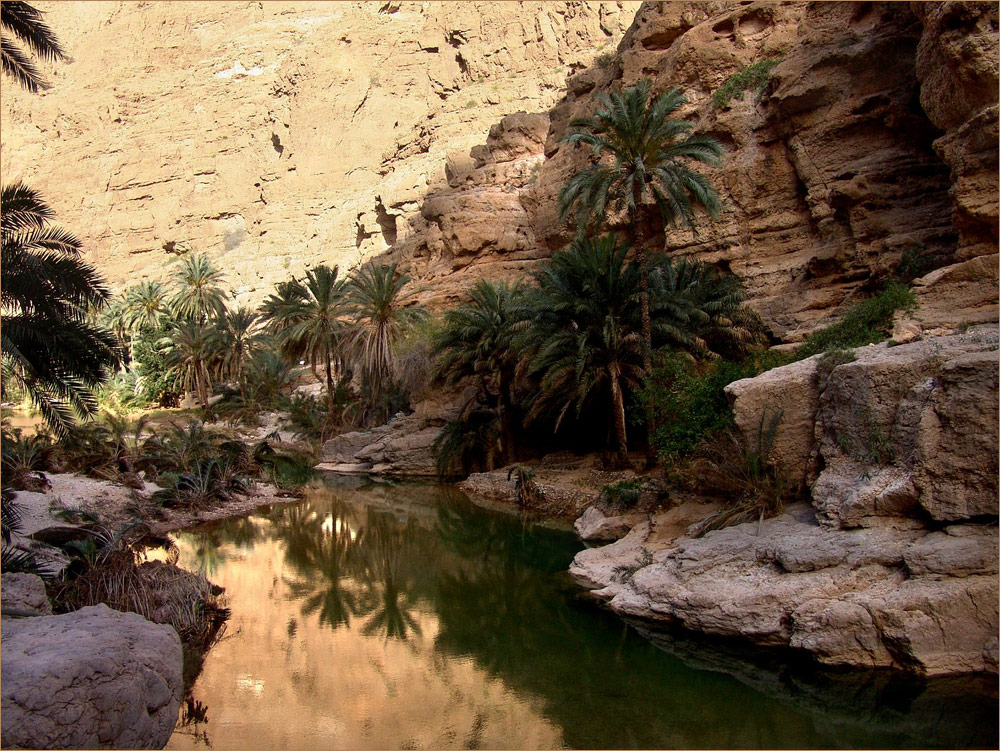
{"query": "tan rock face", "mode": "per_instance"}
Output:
(103, 679)
(829, 178)
(273, 136)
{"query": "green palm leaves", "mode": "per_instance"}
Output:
(480, 339)
(306, 319)
(200, 295)
(23, 27)
(646, 155)
(585, 339)
(49, 348)
(649, 154)
(381, 313)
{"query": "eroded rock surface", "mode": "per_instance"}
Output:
(833, 175)
(893, 563)
(274, 136)
(25, 592)
(94, 678)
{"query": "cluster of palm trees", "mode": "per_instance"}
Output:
(582, 337)
(572, 343)
(339, 326)
(51, 352)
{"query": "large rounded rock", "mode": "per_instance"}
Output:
(94, 678)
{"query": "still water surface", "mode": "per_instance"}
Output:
(404, 616)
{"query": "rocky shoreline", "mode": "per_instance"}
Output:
(892, 562)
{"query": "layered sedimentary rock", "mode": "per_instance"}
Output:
(94, 678)
(842, 167)
(274, 136)
(893, 562)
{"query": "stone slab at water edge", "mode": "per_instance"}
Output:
(94, 678)
(892, 563)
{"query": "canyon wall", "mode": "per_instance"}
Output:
(875, 138)
(276, 135)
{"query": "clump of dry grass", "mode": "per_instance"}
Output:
(109, 567)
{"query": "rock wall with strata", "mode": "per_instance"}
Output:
(276, 135)
(854, 155)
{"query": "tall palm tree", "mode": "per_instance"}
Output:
(25, 24)
(306, 319)
(237, 338)
(381, 314)
(199, 294)
(479, 339)
(643, 161)
(585, 340)
(50, 349)
(146, 307)
(189, 350)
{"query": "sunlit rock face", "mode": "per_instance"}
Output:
(274, 136)
(849, 159)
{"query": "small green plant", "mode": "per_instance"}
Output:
(867, 322)
(468, 443)
(24, 459)
(874, 444)
(916, 261)
(536, 170)
(605, 60)
(625, 571)
(528, 492)
(753, 78)
(470, 104)
(622, 495)
(685, 401)
(828, 362)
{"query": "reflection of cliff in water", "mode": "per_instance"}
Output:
(429, 575)
(883, 700)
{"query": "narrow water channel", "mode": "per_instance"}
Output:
(404, 616)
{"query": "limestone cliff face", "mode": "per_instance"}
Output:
(875, 136)
(273, 135)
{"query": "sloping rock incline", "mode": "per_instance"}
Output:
(894, 561)
(874, 141)
(402, 446)
(94, 678)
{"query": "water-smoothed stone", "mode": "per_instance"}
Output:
(596, 526)
(94, 678)
(884, 596)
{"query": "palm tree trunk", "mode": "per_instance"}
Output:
(618, 417)
(638, 243)
(329, 377)
(504, 413)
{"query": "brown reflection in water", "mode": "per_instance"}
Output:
(343, 656)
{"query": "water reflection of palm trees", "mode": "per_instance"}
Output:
(351, 564)
(388, 545)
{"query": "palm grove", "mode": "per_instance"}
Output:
(576, 342)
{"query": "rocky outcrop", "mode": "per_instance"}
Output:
(25, 593)
(277, 136)
(834, 175)
(879, 597)
(402, 446)
(893, 563)
(886, 431)
(94, 678)
(596, 526)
